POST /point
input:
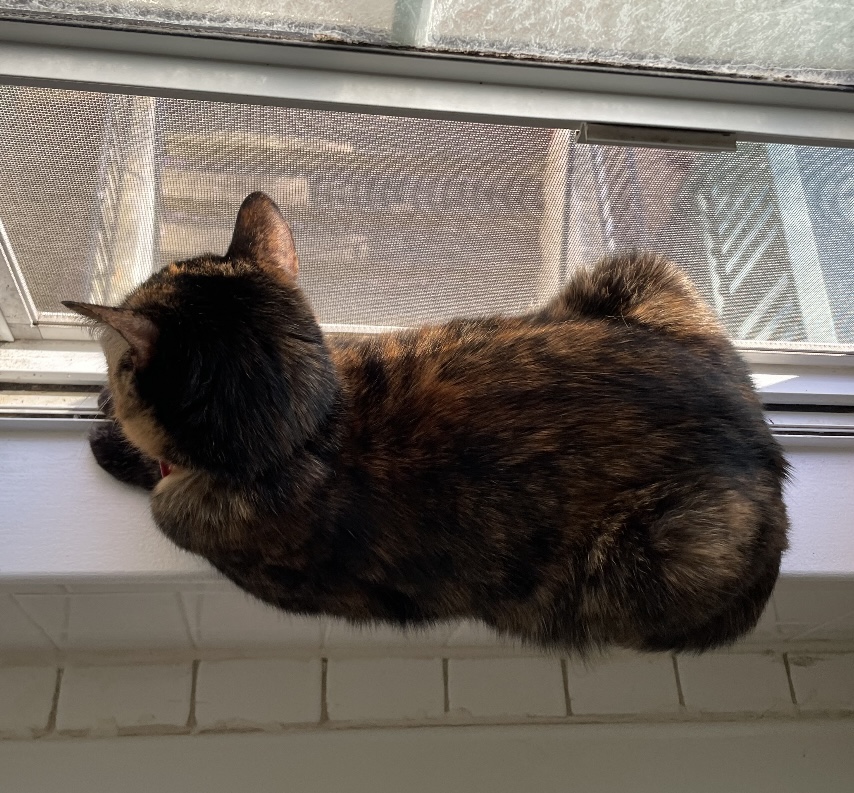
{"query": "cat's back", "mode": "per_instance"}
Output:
(512, 387)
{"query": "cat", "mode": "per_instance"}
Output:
(594, 473)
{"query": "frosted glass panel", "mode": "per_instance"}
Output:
(811, 40)
(783, 40)
(401, 221)
(323, 20)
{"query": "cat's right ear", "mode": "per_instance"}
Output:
(137, 330)
(262, 235)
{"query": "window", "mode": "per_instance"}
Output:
(419, 188)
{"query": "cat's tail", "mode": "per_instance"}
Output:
(635, 288)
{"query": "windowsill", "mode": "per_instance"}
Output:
(65, 519)
(82, 564)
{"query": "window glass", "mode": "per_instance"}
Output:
(364, 21)
(808, 40)
(782, 40)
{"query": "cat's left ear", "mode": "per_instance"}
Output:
(137, 330)
(262, 235)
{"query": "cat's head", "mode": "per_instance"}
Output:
(217, 362)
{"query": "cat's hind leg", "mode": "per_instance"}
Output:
(640, 288)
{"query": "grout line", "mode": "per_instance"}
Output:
(564, 673)
(194, 685)
(792, 692)
(324, 676)
(679, 692)
(446, 693)
(54, 704)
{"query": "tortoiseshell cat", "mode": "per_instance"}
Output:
(597, 472)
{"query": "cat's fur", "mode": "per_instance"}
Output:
(597, 472)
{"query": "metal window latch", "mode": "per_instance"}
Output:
(656, 137)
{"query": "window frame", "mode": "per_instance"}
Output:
(348, 78)
(426, 85)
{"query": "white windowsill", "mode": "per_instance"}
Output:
(84, 572)
(64, 519)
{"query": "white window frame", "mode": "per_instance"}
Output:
(345, 78)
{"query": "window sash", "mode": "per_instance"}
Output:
(413, 84)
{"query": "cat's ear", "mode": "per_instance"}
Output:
(137, 330)
(262, 235)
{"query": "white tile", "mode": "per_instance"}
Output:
(624, 684)
(734, 683)
(233, 618)
(341, 635)
(106, 698)
(257, 693)
(17, 631)
(506, 687)
(26, 697)
(840, 631)
(126, 621)
(823, 682)
(837, 631)
(809, 602)
(48, 612)
(373, 690)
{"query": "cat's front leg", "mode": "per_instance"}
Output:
(118, 456)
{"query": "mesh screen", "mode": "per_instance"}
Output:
(402, 221)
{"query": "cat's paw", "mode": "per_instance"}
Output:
(119, 458)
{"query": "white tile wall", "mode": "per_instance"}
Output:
(815, 608)
(735, 682)
(18, 630)
(126, 621)
(285, 693)
(233, 619)
(110, 621)
(216, 615)
(105, 699)
(823, 682)
(26, 699)
(623, 684)
(506, 687)
(257, 693)
(411, 689)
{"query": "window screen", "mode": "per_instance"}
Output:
(400, 221)
(807, 41)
